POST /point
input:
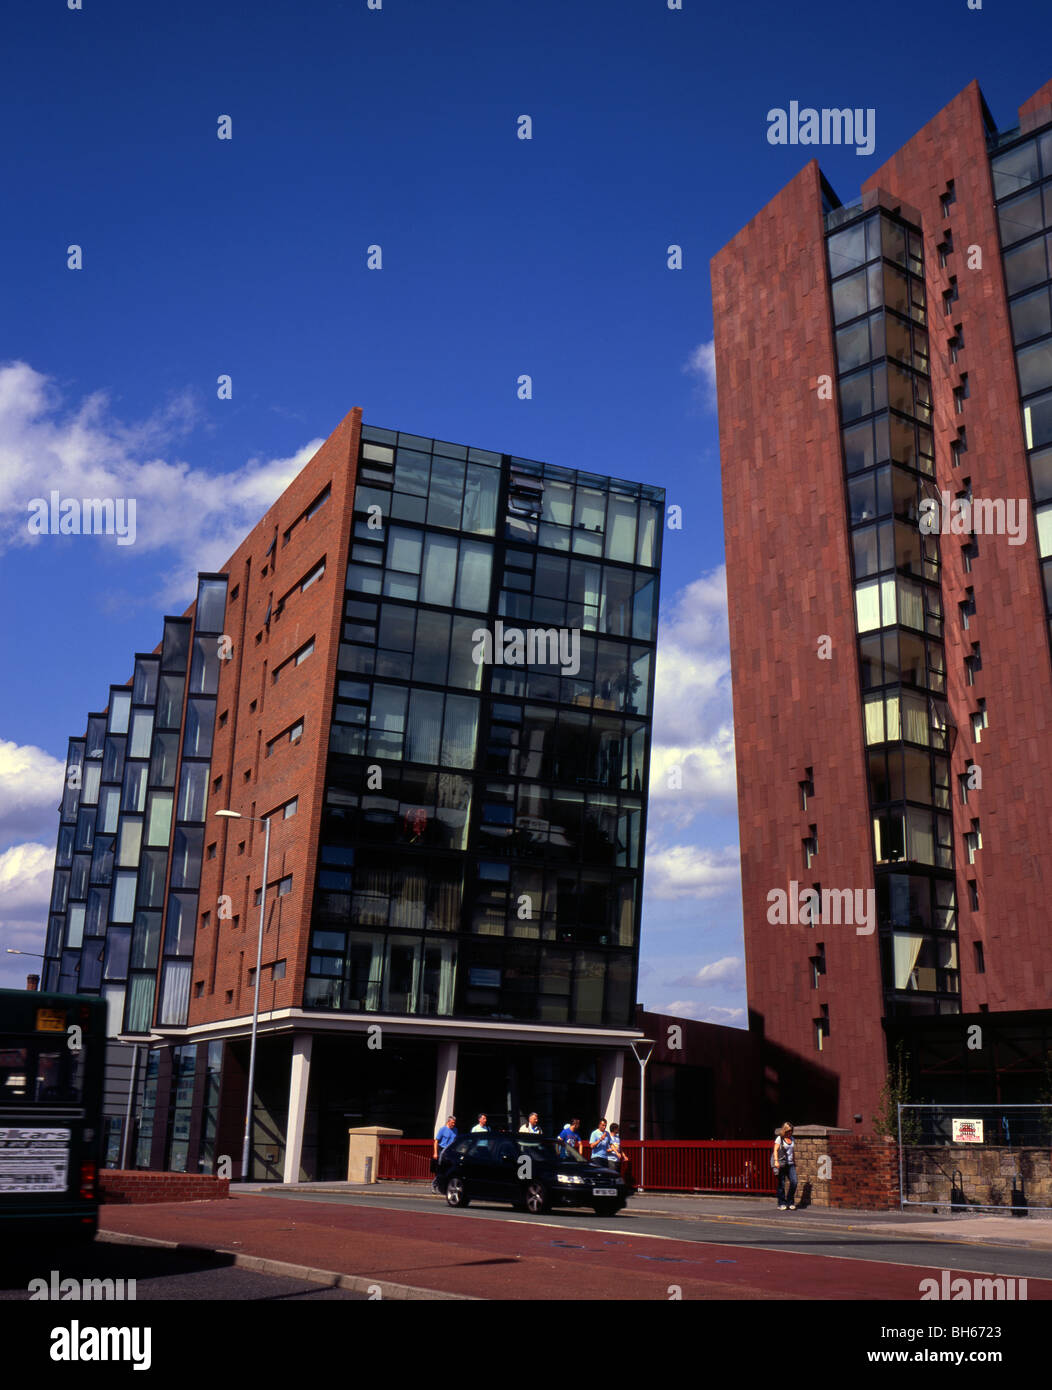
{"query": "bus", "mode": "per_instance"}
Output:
(52, 1058)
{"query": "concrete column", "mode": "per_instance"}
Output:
(445, 1083)
(611, 1082)
(299, 1080)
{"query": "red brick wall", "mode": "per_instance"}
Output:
(131, 1187)
(863, 1171)
(783, 495)
(1015, 754)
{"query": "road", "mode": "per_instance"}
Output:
(492, 1252)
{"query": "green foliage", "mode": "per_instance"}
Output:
(896, 1092)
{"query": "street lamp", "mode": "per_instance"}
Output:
(642, 1048)
(263, 820)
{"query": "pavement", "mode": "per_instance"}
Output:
(378, 1247)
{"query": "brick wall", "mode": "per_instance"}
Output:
(120, 1186)
(863, 1170)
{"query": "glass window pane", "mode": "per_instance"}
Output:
(175, 993)
(159, 818)
(473, 580)
(480, 500)
(1021, 217)
(134, 798)
(1035, 368)
(200, 723)
(169, 702)
(446, 493)
(193, 791)
(1014, 170)
(424, 732)
(439, 570)
(1026, 265)
(186, 857)
(141, 734)
(120, 709)
(1037, 421)
(123, 902)
(621, 528)
(179, 927)
(847, 249)
(460, 731)
(204, 667)
(211, 605)
(129, 842)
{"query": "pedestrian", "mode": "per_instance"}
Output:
(482, 1127)
(568, 1134)
(532, 1126)
(443, 1139)
(613, 1150)
(783, 1161)
(599, 1140)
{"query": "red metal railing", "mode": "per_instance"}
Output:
(665, 1165)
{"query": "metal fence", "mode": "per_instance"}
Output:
(972, 1157)
(665, 1165)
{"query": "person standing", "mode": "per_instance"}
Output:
(568, 1134)
(783, 1160)
(599, 1141)
(613, 1148)
(443, 1139)
(482, 1127)
(532, 1126)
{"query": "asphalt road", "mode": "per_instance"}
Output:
(800, 1233)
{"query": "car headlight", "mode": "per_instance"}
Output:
(569, 1177)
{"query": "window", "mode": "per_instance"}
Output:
(313, 577)
(290, 808)
(973, 898)
(945, 247)
(296, 659)
(284, 886)
(969, 553)
(277, 970)
(810, 845)
(948, 198)
(980, 721)
(822, 1030)
(959, 446)
(807, 787)
(973, 841)
(210, 851)
(293, 734)
(967, 608)
(818, 965)
(961, 394)
(972, 664)
(950, 296)
(310, 512)
(963, 784)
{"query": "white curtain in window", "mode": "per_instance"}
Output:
(424, 731)
(911, 605)
(460, 731)
(476, 561)
(175, 993)
(915, 717)
(920, 845)
(907, 949)
(867, 605)
(1044, 531)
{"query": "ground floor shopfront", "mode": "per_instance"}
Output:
(317, 1078)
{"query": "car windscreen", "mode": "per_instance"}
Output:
(552, 1150)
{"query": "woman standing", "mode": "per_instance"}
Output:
(784, 1160)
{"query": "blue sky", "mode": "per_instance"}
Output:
(501, 257)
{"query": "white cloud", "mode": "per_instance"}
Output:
(693, 723)
(687, 1008)
(30, 790)
(197, 516)
(701, 364)
(25, 892)
(690, 871)
(728, 972)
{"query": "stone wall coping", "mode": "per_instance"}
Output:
(816, 1131)
(378, 1129)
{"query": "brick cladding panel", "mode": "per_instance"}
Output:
(783, 480)
(293, 770)
(1013, 870)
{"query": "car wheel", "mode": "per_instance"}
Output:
(605, 1207)
(455, 1194)
(536, 1199)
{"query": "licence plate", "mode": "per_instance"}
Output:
(604, 1191)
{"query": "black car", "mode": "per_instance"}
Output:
(527, 1171)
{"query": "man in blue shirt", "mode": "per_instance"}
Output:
(600, 1141)
(568, 1134)
(443, 1139)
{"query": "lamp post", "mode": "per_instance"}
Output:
(642, 1048)
(263, 820)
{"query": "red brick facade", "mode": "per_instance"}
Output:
(789, 585)
(253, 710)
(789, 582)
